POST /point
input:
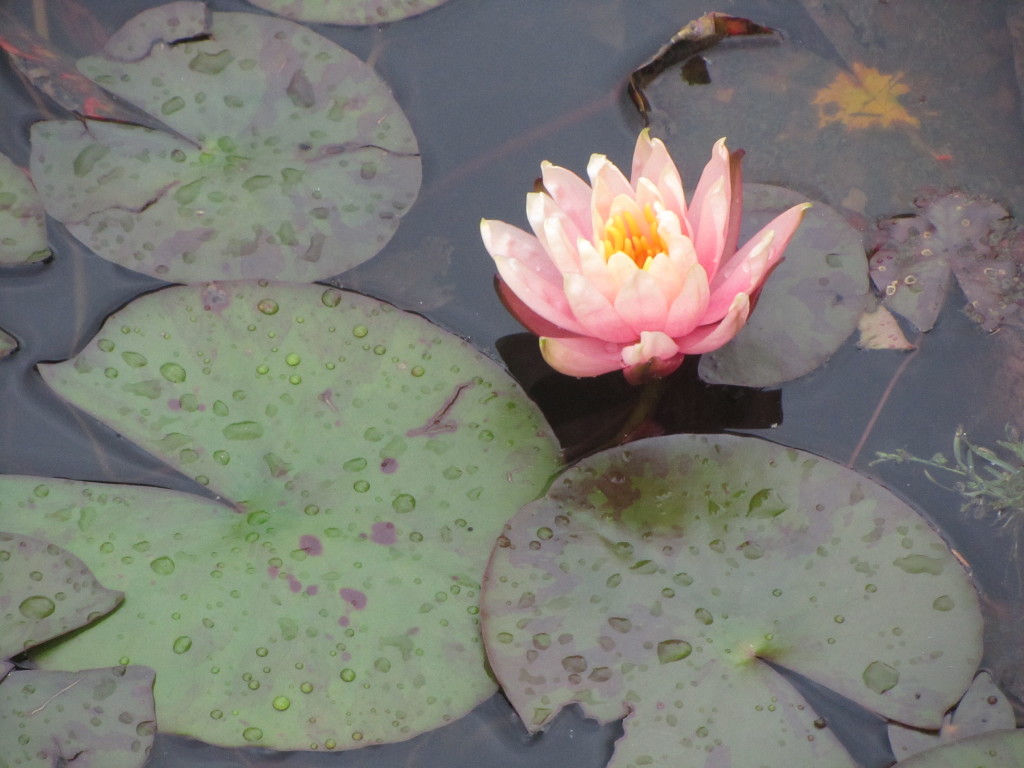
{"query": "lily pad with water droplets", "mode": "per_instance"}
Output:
(47, 592)
(286, 156)
(95, 718)
(810, 303)
(995, 749)
(371, 460)
(354, 12)
(983, 708)
(653, 581)
(22, 221)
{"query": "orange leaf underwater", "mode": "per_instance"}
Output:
(863, 99)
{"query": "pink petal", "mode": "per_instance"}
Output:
(732, 235)
(747, 270)
(533, 322)
(570, 193)
(608, 183)
(710, 337)
(594, 267)
(710, 208)
(527, 270)
(594, 313)
(555, 230)
(621, 269)
(687, 310)
(651, 160)
(641, 304)
(581, 356)
(667, 275)
(656, 355)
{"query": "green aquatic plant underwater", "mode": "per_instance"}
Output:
(991, 483)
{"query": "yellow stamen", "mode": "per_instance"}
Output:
(638, 240)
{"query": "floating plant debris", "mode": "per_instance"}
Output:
(651, 581)
(863, 98)
(370, 460)
(353, 12)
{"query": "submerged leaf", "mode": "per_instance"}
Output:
(96, 718)
(651, 581)
(863, 98)
(354, 12)
(880, 330)
(7, 343)
(954, 233)
(810, 303)
(47, 592)
(287, 157)
(371, 459)
(22, 221)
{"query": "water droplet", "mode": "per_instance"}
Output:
(293, 359)
(331, 297)
(162, 565)
(574, 664)
(673, 650)
(106, 345)
(504, 637)
(683, 579)
(417, 371)
(880, 677)
(216, 714)
(382, 664)
(360, 331)
(360, 486)
(838, 619)
(243, 430)
(222, 457)
(403, 503)
(267, 306)
(544, 533)
(173, 372)
(261, 652)
(295, 379)
(182, 644)
(306, 687)
(37, 607)
(347, 675)
(703, 616)
(252, 734)
(944, 603)
(620, 624)
(41, 491)
(614, 580)
(281, 703)
(262, 370)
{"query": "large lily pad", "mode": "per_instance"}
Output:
(995, 749)
(46, 592)
(355, 12)
(810, 303)
(286, 156)
(96, 718)
(22, 221)
(371, 460)
(652, 580)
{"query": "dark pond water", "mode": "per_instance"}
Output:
(491, 89)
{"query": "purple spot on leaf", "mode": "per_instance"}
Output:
(311, 545)
(354, 597)
(174, 404)
(272, 571)
(312, 589)
(384, 533)
(293, 584)
(343, 621)
(388, 466)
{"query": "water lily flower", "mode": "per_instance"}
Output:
(623, 273)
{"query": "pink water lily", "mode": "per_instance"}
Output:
(623, 274)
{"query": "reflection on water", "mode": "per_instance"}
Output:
(491, 89)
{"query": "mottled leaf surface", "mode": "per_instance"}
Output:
(45, 592)
(354, 12)
(96, 718)
(371, 459)
(996, 749)
(286, 157)
(810, 303)
(651, 581)
(22, 221)
(959, 234)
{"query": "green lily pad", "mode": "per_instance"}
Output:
(371, 460)
(22, 221)
(96, 718)
(354, 12)
(810, 303)
(652, 580)
(983, 708)
(47, 592)
(995, 749)
(286, 156)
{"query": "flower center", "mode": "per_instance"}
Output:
(637, 239)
